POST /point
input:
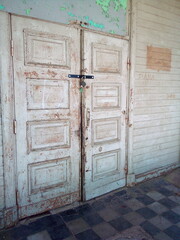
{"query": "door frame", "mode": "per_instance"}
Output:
(8, 137)
(8, 116)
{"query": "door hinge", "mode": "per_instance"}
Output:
(17, 197)
(14, 126)
(12, 48)
(126, 170)
(128, 63)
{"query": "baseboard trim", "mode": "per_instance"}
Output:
(155, 172)
(10, 216)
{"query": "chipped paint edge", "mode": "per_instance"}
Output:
(2, 219)
(10, 216)
(49, 204)
(7, 100)
(155, 172)
(75, 24)
(132, 32)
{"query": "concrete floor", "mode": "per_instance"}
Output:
(150, 210)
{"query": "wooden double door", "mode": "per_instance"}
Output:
(70, 143)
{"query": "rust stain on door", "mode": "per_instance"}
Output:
(158, 58)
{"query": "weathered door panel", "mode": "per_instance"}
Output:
(47, 107)
(104, 105)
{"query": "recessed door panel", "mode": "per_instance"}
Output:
(47, 49)
(106, 58)
(106, 96)
(106, 164)
(47, 94)
(106, 130)
(47, 135)
(44, 176)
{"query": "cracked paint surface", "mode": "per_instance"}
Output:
(2, 7)
(92, 23)
(103, 15)
(117, 5)
(28, 11)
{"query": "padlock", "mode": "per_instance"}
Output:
(83, 83)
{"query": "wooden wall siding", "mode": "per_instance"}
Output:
(1, 148)
(1, 169)
(1, 177)
(156, 136)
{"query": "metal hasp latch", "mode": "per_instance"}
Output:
(81, 76)
(82, 82)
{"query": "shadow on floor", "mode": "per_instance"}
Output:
(150, 209)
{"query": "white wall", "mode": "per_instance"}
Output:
(156, 126)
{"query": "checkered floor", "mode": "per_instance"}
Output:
(153, 205)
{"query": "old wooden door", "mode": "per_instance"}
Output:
(48, 117)
(104, 106)
(47, 109)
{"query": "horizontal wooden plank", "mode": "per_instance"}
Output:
(158, 15)
(155, 129)
(157, 76)
(157, 18)
(156, 116)
(166, 8)
(156, 103)
(142, 45)
(156, 90)
(143, 62)
(142, 52)
(143, 58)
(157, 147)
(164, 96)
(159, 109)
(154, 33)
(158, 162)
(150, 136)
(143, 68)
(170, 5)
(153, 154)
(155, 141)
(156, 83)
(157, 29)
(156, 122)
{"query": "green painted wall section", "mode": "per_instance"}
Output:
(117, 5)
(103, 15)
